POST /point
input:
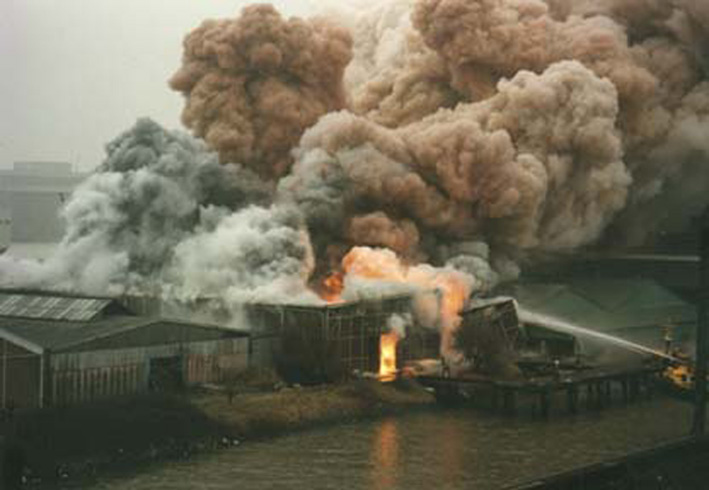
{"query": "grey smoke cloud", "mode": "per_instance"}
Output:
(162, 215)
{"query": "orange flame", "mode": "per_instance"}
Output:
(331, 287)
(382, 264)
(387, 356)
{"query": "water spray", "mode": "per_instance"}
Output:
(560, 325)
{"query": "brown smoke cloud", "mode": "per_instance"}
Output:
(483, 41)
(419, 85)
(654, 52)
(394, 78)
(379, 229)
(253, 84)
(539, 165)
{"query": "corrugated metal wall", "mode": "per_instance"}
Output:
(84, 376)
(19, 376)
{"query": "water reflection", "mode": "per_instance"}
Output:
(385, 456)
(443, 449)
(451, 452)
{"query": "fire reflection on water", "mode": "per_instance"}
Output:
(444, 450)
(385, 456)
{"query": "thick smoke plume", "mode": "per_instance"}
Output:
(453, 137)
(254, 84)
(539, 165)
(161, 215)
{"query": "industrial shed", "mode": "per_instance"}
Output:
(639, 310)
(325, 342)
(314, 342)
(59, 350)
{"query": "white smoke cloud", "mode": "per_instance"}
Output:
(257, 254)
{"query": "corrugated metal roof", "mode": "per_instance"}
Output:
(57, 335)
(51, 307)
(607, 305)
(62, 335)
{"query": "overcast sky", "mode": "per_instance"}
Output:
(75, 73)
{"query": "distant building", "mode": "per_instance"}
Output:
(60, 350)
(33, 193)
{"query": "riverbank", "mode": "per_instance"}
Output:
(79, 442)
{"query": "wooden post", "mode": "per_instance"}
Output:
(608, 391)
(599, 394)
(572, 398)
(633, 388)
(495, 397)
(509, 401)
(545, 402)
(649, 386)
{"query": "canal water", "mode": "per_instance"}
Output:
(440, 448)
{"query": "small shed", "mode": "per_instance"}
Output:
(59, 350)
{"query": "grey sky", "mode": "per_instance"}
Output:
(75, 73)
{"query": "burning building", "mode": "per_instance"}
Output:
(414, 145)
(325, 342)
(331, 342)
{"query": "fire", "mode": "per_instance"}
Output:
(332, 286)
(384, 265)
(453, 286)
(682, 376)
(387, 356)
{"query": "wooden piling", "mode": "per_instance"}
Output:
(509, 400)
(598, 385)
(544, 403)
(572, 396)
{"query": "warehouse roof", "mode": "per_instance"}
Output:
(39, 321)
(51, 307)
(57, 335)
(38, 335)
(606, 305)
(19, 303)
